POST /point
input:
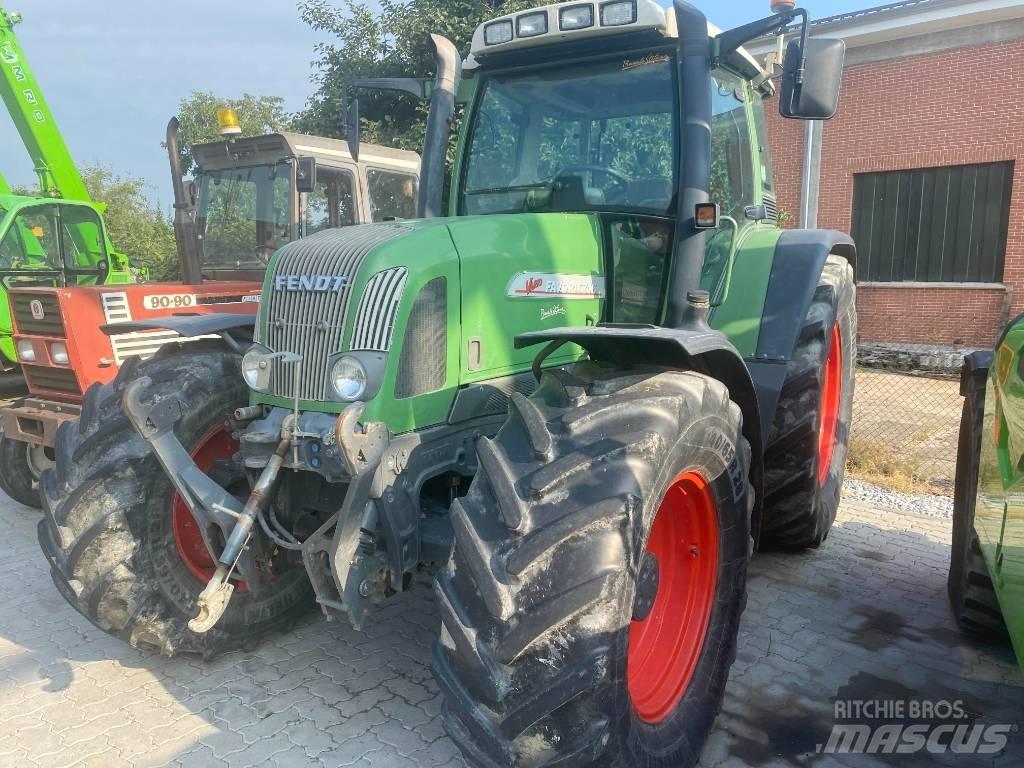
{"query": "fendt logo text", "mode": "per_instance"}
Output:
(311, 283)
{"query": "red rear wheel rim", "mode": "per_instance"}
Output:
(665, 646)
(831, 393)
(217, 444)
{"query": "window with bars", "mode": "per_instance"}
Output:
(932, 224)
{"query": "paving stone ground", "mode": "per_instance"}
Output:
(862, 617)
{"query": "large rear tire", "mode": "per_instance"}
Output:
(971, 592)
(592, 602)
(123, 549)
(21, 466)
(805, 457)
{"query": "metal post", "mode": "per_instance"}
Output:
(809, 183)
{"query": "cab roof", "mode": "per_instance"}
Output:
(648, 17)
(271, 147)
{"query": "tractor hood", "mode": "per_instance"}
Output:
(426, 307)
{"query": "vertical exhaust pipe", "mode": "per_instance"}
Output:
(433, 169)
(694, 159)
(184, 224)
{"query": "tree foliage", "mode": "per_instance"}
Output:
(136, 227)
(389, 38)
(197, 118)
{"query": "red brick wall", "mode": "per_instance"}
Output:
(948, 317)
(949, 108)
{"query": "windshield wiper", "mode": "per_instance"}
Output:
(514, 188)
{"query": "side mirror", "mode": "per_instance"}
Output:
(352, 128)
(810, 83)
(305, 174)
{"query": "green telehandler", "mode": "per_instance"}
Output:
(588, 509)
(57, 237)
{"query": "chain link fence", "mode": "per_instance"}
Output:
(905, 428)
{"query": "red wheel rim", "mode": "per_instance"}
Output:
(218, 444)
(831, 393)
(665, 646)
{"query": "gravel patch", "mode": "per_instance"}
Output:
(926, 504)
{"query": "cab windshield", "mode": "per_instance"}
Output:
(590, 137)
(244, 215)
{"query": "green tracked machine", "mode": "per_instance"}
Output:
(57, 237)
(986, 573)
(580, 398)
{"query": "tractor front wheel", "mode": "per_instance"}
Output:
(971, 592)
(123, 549)
(805, 456)
(21, 466)
(591, 606)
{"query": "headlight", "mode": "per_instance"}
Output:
(59, 353)
(576, 17)
(499, 32)
(26, 352)
(616, 14)
(532, 24)
(348, 377)
(256, 368)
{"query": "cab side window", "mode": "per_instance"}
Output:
(392, 194)
(333, 203)
(32, 242)
(732, 165)
(82, 237)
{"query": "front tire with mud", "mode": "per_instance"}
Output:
(21, 464)
(119, 550)
(591, 606)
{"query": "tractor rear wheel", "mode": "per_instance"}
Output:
(21, 466)
(805, 457)
(123, 549)
(971, 592)
(591, 605)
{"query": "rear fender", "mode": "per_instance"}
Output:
(706, 352)
(800, 256)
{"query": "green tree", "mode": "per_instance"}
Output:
(197, 118)
(389, 38)
(137, 228)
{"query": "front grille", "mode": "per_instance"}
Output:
(28, 324)
(62, 380)
(424, 351)
(375, 318)
(312, 323)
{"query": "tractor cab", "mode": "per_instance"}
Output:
(253, 195)
(55, 243)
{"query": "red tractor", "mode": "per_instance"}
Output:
(249, 197)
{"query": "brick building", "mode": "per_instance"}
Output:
(924, 165)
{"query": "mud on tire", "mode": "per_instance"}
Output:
(801, 495)
(971, 592)
(17, 478)
(107, 529)
(537, 600)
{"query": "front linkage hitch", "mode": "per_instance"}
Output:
(361, 446)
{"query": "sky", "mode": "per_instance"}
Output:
(115, 71)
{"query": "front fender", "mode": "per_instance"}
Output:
(707, 352)
(188, 326)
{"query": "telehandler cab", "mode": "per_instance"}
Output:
(589, 510)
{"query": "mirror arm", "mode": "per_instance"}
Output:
(732, 40)
(414, 86)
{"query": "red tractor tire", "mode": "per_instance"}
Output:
(591, 606)
(805, 455)
(119, 542)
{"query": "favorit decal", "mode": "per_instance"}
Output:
(545, 285)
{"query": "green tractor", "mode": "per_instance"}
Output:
(986, 574)
(580, 399)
